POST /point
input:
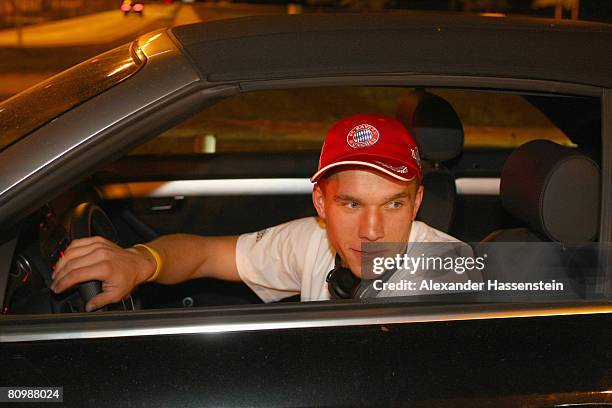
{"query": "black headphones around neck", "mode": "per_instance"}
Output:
(341, 282)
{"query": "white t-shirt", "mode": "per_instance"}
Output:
(295, 258)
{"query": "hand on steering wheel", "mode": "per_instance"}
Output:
(105, 272)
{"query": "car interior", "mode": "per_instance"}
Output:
(499, 166)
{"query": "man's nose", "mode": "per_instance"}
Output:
(371, 227)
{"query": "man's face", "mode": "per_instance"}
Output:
(364, 205)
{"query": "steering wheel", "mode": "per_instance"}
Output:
(88, 220)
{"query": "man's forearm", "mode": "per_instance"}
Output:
(186, 257)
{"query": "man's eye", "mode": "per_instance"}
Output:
(395, 204)
(352, 204)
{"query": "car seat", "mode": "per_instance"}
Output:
(439, 134)
(554, 191)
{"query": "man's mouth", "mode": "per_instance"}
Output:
(368, 254)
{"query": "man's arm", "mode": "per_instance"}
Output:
(183, 256)
(186, 257)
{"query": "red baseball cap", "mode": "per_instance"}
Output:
(377, 141)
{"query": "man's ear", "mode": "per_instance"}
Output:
(318, 199)
(418, 199)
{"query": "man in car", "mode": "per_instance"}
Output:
(367, 190)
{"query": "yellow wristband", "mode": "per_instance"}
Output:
(158, 261)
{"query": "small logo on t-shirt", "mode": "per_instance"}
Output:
(260, 234)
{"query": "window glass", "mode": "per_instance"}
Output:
(500, 120)
(298, 119)
(184, 199)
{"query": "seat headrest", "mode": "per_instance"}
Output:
(434, 124)
(554, 189)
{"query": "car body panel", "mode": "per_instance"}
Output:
(91, 122)
(281, 316)
(300, 46)
(499, 362)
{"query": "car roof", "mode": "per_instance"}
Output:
(297, 46)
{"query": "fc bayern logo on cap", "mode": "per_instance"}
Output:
(362, 136)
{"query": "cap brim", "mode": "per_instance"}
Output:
(409, 175)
